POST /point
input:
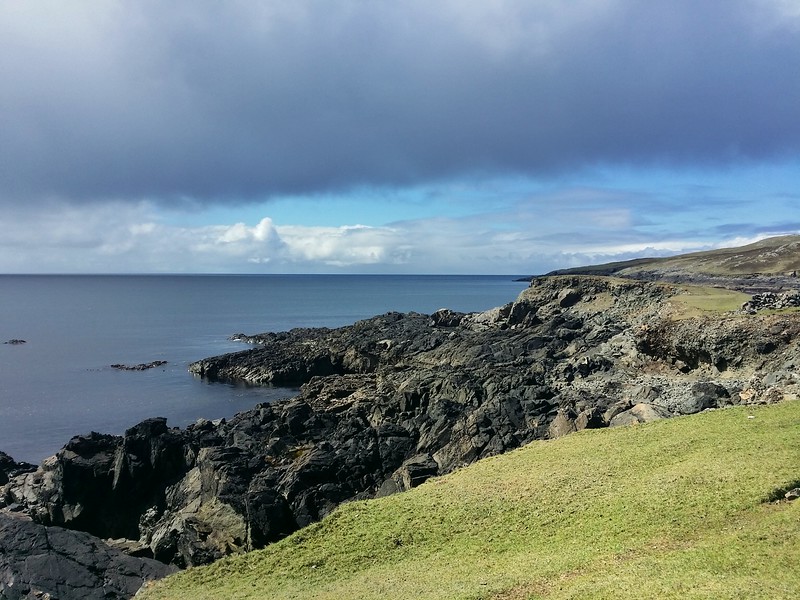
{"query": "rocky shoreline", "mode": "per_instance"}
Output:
(391, 401)
(756, 283)
(139, 367)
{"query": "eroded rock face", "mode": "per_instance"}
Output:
(52, 562)
(391, 401)
(102, 483)
(11, 468)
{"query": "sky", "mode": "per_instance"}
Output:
(344, 136)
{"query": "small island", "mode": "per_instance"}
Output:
(140, 366)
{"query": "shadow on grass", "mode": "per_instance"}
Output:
(780, 493)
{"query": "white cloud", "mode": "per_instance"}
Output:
(345, 246)
(534, 233)
(121, 238)
(233, 234)
(643, 248)
(777, 14)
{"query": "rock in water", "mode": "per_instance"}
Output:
(52, 562)
(140, 366)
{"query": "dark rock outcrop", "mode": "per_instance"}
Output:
(11, 468)
(60, 564)
(140, 366)
(391, 401)
(772, 301)
(102, 483)
(413, 472)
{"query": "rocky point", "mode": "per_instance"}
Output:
(391, 401)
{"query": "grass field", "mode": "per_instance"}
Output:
(696, 300)
(679, 508)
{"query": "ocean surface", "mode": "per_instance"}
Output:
(60, 383)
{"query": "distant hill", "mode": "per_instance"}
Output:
(770, 264)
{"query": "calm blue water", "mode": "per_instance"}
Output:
(59, 383)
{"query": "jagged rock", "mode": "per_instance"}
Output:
(444, 317)
(139, 367)
(489, 319)
(689, 397)
(413, 472)
(102, 483)
(715, 345)
(52, 562)
(568, 297)
(639, 413)
(522, 314)
(590, 418)
(771, 301)
(10, 468)
(15, 342)
(563, 424)
(270, 515)
(391, 400)
(615, 409)
(704, 395)
(792, 494)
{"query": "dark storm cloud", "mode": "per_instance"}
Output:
(244, 100)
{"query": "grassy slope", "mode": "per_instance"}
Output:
(771, 256)
(775, 255)
(696, 300)
(673, 509)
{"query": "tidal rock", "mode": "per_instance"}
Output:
(139, 367)
(15, 342)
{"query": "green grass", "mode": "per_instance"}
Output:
(780, 311)
(771, 256)
(776, 255)
(673, 509)
(698, 300)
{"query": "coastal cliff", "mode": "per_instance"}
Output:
(391, 401)
(769, 265)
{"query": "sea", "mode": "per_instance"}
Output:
(60, 382)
